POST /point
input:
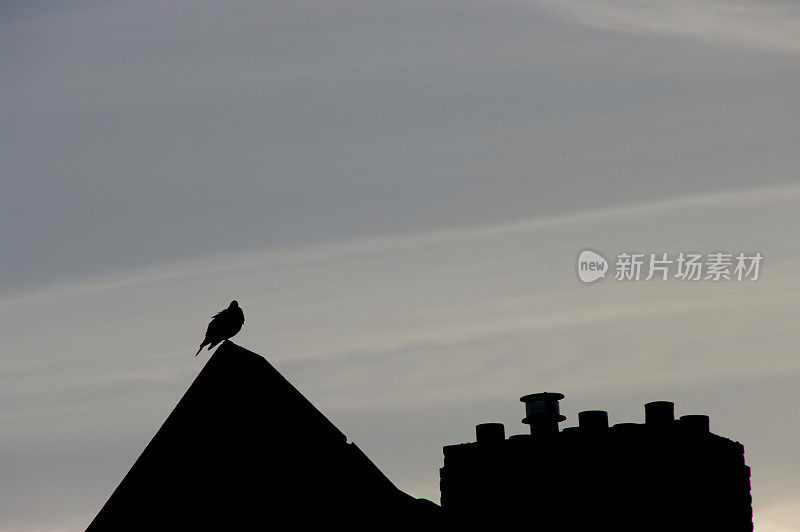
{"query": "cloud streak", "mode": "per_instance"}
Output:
(770, 26)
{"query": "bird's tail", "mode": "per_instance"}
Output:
(201, 348)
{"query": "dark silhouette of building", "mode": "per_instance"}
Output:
(663, 475)
(244, 450)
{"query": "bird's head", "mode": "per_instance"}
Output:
(233, 304)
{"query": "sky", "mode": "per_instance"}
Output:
(396, 194)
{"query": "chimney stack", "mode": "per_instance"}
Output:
(490, 433)
(593, 421)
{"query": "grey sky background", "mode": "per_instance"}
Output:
(396, 193)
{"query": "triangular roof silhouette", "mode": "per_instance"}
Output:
(244, 449)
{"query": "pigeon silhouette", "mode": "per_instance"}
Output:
(224, 324)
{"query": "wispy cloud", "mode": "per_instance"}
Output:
(292, 256)
(769, 25)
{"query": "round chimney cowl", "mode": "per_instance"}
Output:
(542, 411)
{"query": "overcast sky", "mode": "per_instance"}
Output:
(396, 193)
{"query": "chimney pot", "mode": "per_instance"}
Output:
(695, 424)
(490, 433)
(659, 413)
(593, 420)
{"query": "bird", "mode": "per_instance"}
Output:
(224, 324)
